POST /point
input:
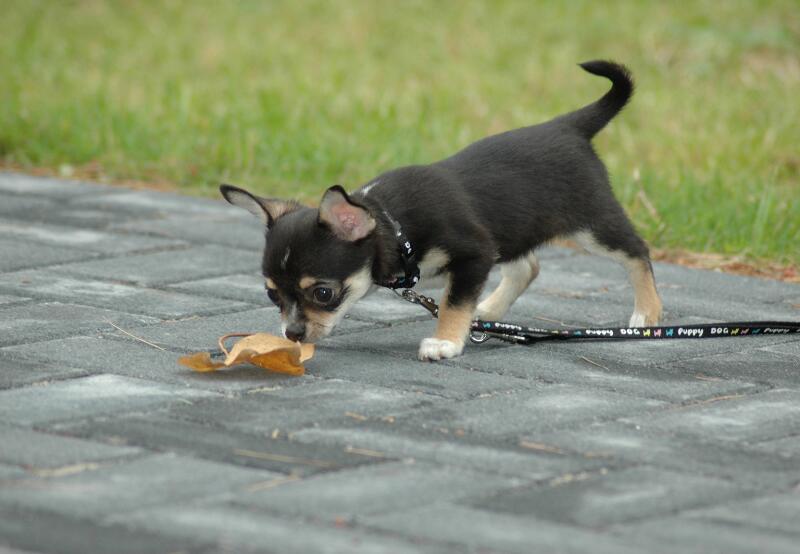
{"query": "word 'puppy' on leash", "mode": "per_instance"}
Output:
(492, 203)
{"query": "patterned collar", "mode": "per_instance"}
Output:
(408, 257)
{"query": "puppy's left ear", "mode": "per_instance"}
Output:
(266, 209)
(345, 218)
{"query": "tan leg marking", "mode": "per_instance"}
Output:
(454, 322)
(647, 304)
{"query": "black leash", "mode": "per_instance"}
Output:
(518, 334)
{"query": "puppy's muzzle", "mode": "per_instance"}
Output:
(295, 331)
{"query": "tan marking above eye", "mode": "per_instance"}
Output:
(306, 282)
(271, 284)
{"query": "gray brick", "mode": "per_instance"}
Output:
(67, 535)
(240, 229)
(15, 372)
(747, 418)
(237, 529)
(150, 203)
(715, 307)
(779, 513)
(546, 408)
(21, 254)
(246, 287)
(560, 277)
(122, 488)
(50, 285)
(482, 531)
(621, 444)
(550, 311)
(168, 267)
(10, 472)
(52, 211)
(33, 449)
(585, 369)
(789, 348)
(784, 447)
(86, 397)
(48, 320)
(764, 365)
(8, 299)
(602, 498)
(138, 360)
(451, 450)
(19, 183)
(157, 432)
(682, 534)
(413, 376)
(25, 208)
(373, 490)
(75, 238)
(296, 407)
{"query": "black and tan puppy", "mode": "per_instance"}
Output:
(492, 203)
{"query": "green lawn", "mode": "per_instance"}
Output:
(291, 97)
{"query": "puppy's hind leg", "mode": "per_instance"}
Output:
(517, 276)
(632, 253)
(647, 304)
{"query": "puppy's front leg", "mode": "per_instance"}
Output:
(456, 311)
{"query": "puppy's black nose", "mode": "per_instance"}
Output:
(296, 332)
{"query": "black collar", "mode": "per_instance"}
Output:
(407, 256)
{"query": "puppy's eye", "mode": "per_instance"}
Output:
(323, 295)
(273, 295)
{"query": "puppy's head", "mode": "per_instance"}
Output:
(317, 262)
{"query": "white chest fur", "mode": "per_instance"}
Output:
(433, 262)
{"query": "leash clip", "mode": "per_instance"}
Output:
(478, 337)
(425, 301)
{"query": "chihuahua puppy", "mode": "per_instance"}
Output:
(494, 202)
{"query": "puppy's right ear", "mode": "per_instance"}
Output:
(266, 209)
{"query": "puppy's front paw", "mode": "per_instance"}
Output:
(439, 349)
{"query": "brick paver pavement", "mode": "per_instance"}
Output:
(107, 445)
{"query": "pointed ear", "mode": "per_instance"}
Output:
(266, 209)
(347, 220)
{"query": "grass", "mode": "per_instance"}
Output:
(289, 97)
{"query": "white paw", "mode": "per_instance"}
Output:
(439, 349)
(637, 320)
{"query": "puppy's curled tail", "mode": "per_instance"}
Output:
(590, 119)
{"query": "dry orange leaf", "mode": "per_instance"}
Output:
(261, 349)
(200, 361)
